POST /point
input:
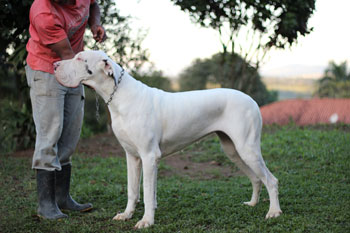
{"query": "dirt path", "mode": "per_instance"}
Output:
(106, 145)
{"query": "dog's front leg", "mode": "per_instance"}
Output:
(134, 172)
(149, 166)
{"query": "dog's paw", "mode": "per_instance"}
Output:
(250, 203)
(273, 214)
(143, 224)
(122, 216)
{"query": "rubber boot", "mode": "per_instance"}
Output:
(63, 198)
(48, 208)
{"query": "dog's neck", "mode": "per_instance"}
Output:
(104, 87)
(127, 89)
(107, 86)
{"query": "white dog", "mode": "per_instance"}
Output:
(150, 123)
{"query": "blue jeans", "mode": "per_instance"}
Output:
(58, 115)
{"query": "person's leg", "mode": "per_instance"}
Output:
(63, 197)
(47, 105)
(48, 208)
(72, 123)
(48, 108)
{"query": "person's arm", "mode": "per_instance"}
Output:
(63, 49)
(51, 34)
(97, 30)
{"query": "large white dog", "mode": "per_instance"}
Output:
(150, 123)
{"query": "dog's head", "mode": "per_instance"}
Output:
(86, 67)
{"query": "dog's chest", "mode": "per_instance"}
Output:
(126, 142)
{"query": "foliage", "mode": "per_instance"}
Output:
(13, 36)
(96, 118)
(14, 30)
(122, 44)
(335, 82)
(196, 76)
(333, 89)
(86, 132)
(281, 22)
(220, 66)
(17, 129)
(311, 165)
(337, 72)
(154, 78)
(248, 29)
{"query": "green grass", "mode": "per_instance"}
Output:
(312, 165)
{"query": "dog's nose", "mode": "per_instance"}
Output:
(56, 65)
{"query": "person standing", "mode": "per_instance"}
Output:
(56, 33)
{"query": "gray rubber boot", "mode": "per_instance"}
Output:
(48, 208)
(63, 198)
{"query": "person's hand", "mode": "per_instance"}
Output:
(99, 33)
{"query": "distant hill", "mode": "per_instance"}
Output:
(294, 70)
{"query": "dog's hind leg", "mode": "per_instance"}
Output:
(134, 172)
(230, 151)
(249, 151)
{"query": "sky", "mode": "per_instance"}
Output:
(173, 41)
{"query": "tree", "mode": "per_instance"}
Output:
(335, 82)
(14, 35)
(278, 22)
(211, 70)
(121, 45)
(196, 76)
(336, 72)
(249, 28)
(154, 78)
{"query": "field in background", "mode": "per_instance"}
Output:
(290, 88)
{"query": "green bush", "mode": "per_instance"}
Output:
(333, 89)
(335, 82)
(227, 71)
(86, 131)
(17, 130)
(154, 79)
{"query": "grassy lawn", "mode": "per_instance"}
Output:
(312, 165)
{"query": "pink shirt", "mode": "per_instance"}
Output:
(51, 23)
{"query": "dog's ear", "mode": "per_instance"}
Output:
(107, 67)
